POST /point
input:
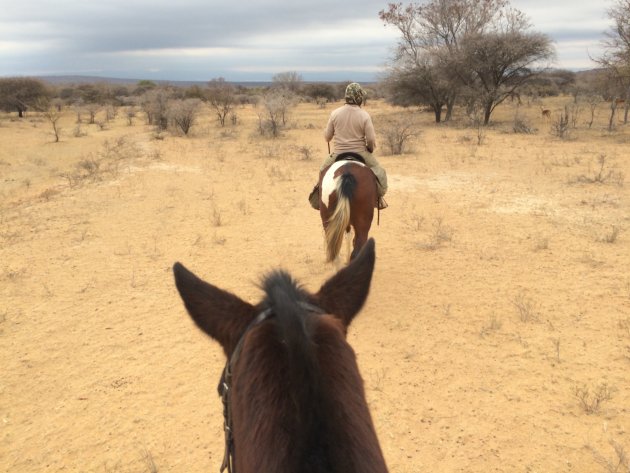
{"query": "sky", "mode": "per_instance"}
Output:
(242, 40)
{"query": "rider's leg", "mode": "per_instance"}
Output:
(381, 176)
(313, 198)
(328, 161)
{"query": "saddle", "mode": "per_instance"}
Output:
(351, 156)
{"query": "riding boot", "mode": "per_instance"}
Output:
(381, 203)
(313, 197)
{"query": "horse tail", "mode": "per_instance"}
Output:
(340, 219)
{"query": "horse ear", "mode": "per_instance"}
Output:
(220, 314)
(344, 294)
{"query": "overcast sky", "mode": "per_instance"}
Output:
(240, 40)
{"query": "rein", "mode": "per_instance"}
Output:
(225, 385)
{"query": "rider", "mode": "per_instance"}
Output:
(351, 129)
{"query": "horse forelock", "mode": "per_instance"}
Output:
(281, 288)
(289, 303)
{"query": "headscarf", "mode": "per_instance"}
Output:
(355, 94)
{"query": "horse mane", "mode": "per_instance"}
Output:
(294, 330)
(294, 327)
(315, 389)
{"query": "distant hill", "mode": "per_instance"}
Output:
(77, 80)
(74, 80)
(60, 80)
(589, 73)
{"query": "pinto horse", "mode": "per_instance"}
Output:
(294, 400)
(348, 195)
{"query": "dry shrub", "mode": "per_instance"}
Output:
(440, 233)
(48, 193)
(183, 114)
(591, 402)
(492, 325)
(527, 310)
(521, 125)
(305, 152)
(602, 175)
(560, 126)
(397, 133)
(620, 463)
(104, 163)
(610, 237)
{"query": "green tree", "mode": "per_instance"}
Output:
(483, 49)
(21, 93)
(616, 57)
(320, 90)
(493, 65)
(423, 83)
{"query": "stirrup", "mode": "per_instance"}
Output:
(313, 198)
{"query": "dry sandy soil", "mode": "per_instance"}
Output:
(496, 336)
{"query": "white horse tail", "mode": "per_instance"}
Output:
(340, 219)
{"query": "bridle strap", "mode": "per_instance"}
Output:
(225, 386)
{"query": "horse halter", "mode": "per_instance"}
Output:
(225, 385)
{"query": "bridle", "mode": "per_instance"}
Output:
(225, 385)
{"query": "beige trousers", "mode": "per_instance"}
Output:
(371, 162)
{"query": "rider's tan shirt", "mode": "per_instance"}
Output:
(352, 129)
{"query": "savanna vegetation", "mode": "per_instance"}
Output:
(496, 335)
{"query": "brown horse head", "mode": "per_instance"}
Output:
(297, 399)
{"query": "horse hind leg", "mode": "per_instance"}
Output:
(361, 231)
(357, 245)
(349, 245)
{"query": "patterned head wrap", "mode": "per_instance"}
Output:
(355, 94)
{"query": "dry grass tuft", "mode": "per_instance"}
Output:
(491, 326)
(528, 310)
(440, 234)
(591, 401)
(602, 174)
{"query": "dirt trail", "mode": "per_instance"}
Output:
(501, 292)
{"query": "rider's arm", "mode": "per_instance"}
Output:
(330, 130)
(370, 135)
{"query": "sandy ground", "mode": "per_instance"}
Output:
(496, 336)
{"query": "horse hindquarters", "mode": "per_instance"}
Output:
(362, 208)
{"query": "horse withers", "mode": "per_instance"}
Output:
(294, 399)
(348, 196)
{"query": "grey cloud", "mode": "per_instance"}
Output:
(79, 36)
(120, 26)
